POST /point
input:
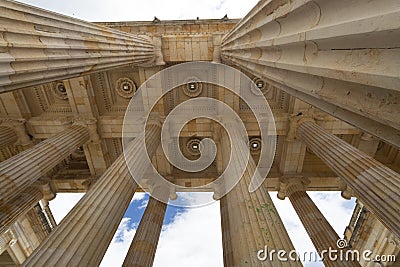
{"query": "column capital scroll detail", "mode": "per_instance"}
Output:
(43, 184)
(91, 125)
(290, 185)
(295, 120)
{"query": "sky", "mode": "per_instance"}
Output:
(190, 237)
(135, 10)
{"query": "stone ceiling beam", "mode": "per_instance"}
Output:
(345, 65)
(293, 151)
(39, 46)
(82, 101)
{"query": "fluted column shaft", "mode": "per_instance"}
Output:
(17, 206)
(253, 220)
(318, 228)
(144, 245)
(49, 214)
(83, 236)
(23, 169)
(40, 46)
(335, 63)
(42, 218)
(376, 185)
(225, 228)
(7, 137)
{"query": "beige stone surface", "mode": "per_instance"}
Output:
(17, 206)
(22, 170)
(250, 221)
(340, 71)
(64, 47)
(71, 243)
(345, 65)
(376, 185)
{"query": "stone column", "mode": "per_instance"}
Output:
(17, 206)
(83, 236)
(318, 228)
(144, 245)
(22, 170)
(48, 213)
(7, 137)
(40, 46)
(252, 218)
(10, 242)
(42, 218)
(328, 61)
(6, 239)
(376, 185)
(226, 235)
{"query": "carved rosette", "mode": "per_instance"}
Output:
(60, 91)
(255, 145)
(193, 146)
(193, 87)
(125, 87)
(260, 86)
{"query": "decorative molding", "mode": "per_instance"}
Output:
(193, 146)
(260, 86)
(193, 87)
(255, 144)
(125, 87)
(290, 185)
(59, 90)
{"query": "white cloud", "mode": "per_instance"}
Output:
(138, 197)
(192, 239)
(332, 206)
(120, 243)
(195, 234)
(336, 209)
(63, 203)
(143, 204)
(193, 199)
(122, 239)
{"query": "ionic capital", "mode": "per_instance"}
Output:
(219, 190)
(163, 189)
(347, 192)
(43, 184)
(88, 183)
(18, 125)
(295, 120)
(91, 125)
(160, 192)
(290, 185)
